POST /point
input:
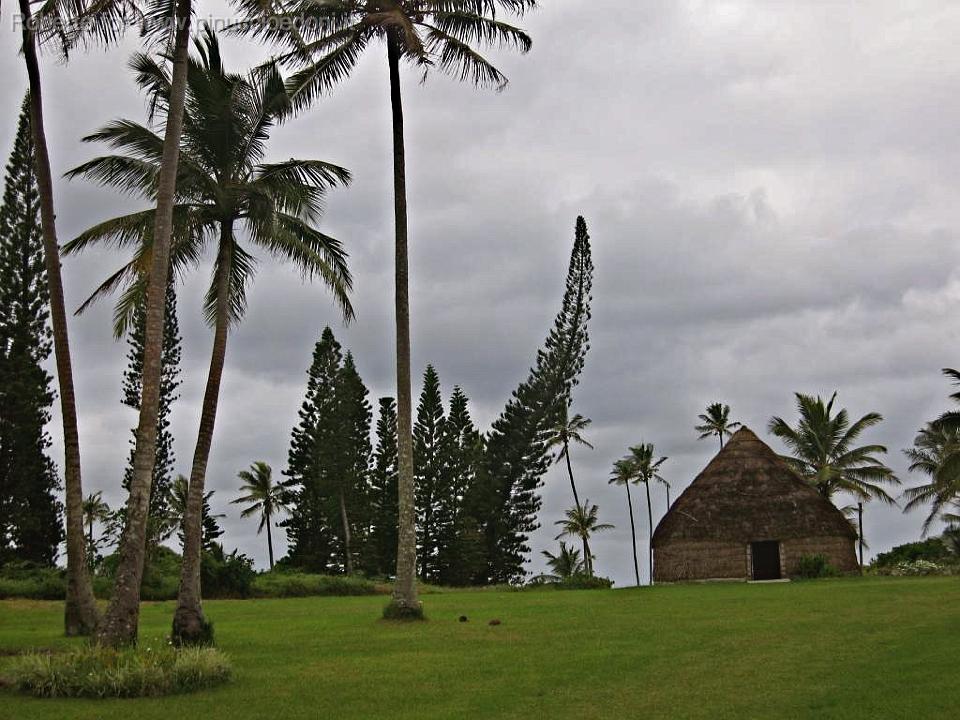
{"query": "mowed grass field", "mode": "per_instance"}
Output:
(857, 648)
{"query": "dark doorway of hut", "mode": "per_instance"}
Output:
(766, 560)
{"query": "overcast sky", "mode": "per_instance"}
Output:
(771, 190)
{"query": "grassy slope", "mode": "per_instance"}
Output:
(839, 649)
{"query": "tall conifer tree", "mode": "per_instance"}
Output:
(429, 456)
(169, 383)
(517, 458)
(380, 557)
(30, 513)
(350, 474)
(459, 542)
(312, 522)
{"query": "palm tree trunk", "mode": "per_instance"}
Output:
(646, 485)
(633, 535)
(81, 616)
(860, 532)
(123, 614)
(347, 550)
(668, 499)
(269, 541)
(189, 625)
(587, 557)
(720, 435)
(405, 589)
(566, 451)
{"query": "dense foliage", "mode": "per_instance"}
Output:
(30, 512)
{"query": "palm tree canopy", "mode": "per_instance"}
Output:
(262, 495)
(325, 38)
(716, 421)
(567, 431)
(645, 467)
(565, 563)
(95, 508)
(936, 454)
(624, 471)
(824, 450)
(222, 180)
(581, 522)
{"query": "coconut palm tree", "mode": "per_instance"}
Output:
(581, 522)
(646, 469)
(263, 497)
(667, 486)
(624, 474)
(564, 564)
(94, 510)
(565, 431)
(325, 40)
(81, 616)
(716, 421)
(225, 192)
(824, 451)
(178, 500)
(936, 454)
(166, 22)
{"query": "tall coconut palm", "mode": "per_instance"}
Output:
(568, 430)
(325, 40)
(263, 497)
(951, 419)
(624, 474)
(169, 19)
(95, 510)
(178, 499)
(824, 451)
(81, 616)
(647, 469)
(225, 191)
(936, 454)
(667, 486)
(581, 522)
(564, 564)
(716, 421)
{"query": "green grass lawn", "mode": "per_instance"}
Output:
(859, 648)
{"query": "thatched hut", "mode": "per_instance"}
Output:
(748, 515)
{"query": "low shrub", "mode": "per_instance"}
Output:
(918, 567)
(294, 584)
(226, 575)
(32, 581)
(579, 581)
(814, 566)
(99, 672)
(932, 550)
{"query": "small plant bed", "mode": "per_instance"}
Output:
(98, 672)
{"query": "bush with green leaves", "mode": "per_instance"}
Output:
(814, 566)
(918, 567)
(932, 550)
(279, 584)
(28, 580)
(226, 575)
(98, 672)
(577, 581)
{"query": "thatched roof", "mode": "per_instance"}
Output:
(748, 493)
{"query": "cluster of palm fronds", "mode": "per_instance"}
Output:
(936, 454)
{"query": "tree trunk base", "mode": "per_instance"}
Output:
(191, 628)
(400, 610)
(80, 618)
